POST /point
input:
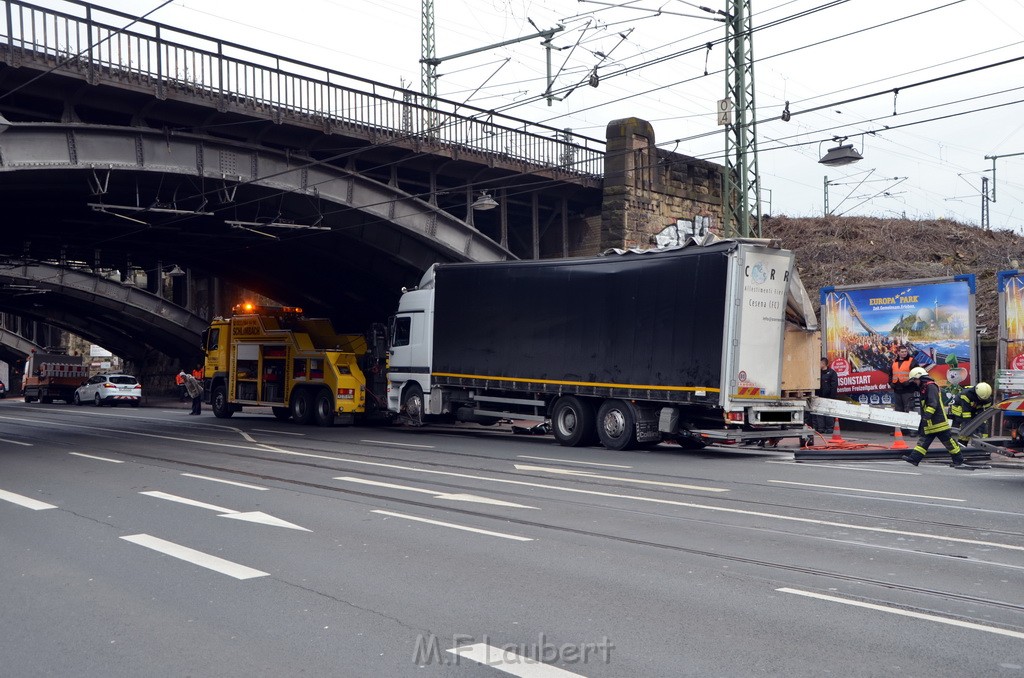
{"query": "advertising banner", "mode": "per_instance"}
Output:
(1011, 320)
(864, 327)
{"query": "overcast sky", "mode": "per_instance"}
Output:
(925, 161)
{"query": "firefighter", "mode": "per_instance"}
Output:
(934, 422)
(969, 404)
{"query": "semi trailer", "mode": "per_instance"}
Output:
(627, 349)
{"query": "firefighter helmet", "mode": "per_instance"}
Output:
(983, 390)
(917, 373)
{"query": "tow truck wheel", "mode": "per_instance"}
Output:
(301, 406)
(572, 422)
(323, 408)
(219, 403)
(282, 413)
(616, 425)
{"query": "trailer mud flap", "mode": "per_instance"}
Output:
(647, 425)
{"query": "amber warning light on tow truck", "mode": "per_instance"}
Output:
(249, 308)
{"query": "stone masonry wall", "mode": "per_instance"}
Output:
(647, 189)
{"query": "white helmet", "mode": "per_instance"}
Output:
(983, 390)
(917, 373)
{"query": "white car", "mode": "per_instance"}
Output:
(110, 389)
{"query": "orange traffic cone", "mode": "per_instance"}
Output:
(898, 443)
(836, 437)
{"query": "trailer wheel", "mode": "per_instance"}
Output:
(572, 422)
(301, 406)
(282, 413)
(616, 425)
(219, 402)
(412, 405)
(323, 408)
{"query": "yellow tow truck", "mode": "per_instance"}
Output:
(299, 367)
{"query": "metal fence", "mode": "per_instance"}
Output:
(83, 39)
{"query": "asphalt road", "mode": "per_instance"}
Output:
(144, 542)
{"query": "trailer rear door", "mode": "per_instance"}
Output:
(752, 361)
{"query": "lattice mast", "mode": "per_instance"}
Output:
(741, 185)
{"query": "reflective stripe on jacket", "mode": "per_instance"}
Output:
(901, 370)
(967, 404)
(933, 409)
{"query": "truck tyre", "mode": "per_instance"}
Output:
(281, 413)
(412, 405)
(219, 403)
(323, 408)
(301, 406)
(616, 425)
(573, 423)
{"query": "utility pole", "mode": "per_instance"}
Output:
(428, 70)
(428, 67)
(985, 199)
(985, 225)
(741, 183)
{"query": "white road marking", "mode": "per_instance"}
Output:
(189, 502)
(15, 442)
(807, 464)
(570, 461)
(263, 519)
(452, 525)
(26, 502)
(588, 474)
(267, 448)
(670, 502)
(388, 442)
(280, 433)
(437, 495)
(90, 456)
(226, 482)
(907, 613)
(195, 557)
(509, 662)
(250, 516)
(857, 489)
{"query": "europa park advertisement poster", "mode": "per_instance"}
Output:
(864, 327)
(1012, 293)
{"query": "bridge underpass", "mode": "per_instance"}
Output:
(114, 163)
(135, 149)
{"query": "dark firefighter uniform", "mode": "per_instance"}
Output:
(934, 422)
(969, 404)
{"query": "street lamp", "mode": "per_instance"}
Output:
(484, 202)
(843, 154)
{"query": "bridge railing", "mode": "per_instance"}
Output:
(163, 59)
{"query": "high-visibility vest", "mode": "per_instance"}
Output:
(179, 379)
(901, 371)
(198, 374)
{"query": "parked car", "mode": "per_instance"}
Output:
(110, 389)
(3, 390)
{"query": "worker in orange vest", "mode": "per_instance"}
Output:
(904, 393)
(179, 380)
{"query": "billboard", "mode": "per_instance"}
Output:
(864, 325)
(1011, 319)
